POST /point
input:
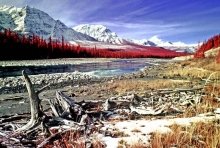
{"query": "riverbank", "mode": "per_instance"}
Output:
(57, 78)
(13, 92)
(165, 73)
(169, 93)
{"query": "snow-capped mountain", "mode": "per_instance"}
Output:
(144, 42)
(155, 41)
(28, 20)
(103, 34)
(160, 42)
(99, 32)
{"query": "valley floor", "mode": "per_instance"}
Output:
(174, 95)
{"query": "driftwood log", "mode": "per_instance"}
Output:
(65, 114)
(36, 109)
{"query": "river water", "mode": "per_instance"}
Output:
(102, 69)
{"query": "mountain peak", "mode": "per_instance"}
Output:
(99, 32)
(29, 20)
(156, 40)
(27, 7)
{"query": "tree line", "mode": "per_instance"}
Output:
(20, 47)
(212, 42)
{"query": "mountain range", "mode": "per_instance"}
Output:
(103, 34)
(28, 21)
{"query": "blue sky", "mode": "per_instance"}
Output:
(171, 20)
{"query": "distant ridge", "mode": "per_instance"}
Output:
(103, 34)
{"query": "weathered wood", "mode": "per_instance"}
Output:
(178, 90)
(74, 125)
(54, 110)
(110, 104)
(12, 98)
(64, 101)
(13, 118)
(85, 120)
(42, 89)
(87, 105)
(123, 103)
(36, 110)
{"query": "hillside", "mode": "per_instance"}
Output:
(29, 21)
(14, 47)
(209, 48)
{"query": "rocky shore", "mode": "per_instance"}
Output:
(85, 86)
(16, 84)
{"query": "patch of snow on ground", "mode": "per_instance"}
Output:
(139, 130)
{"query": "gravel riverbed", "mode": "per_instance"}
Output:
(16, 84)
(13, 92)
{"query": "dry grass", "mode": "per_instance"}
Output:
(197, 135)
(135, 130)
(137, 144)
(194, 68)
(118, 134)
(189, 73)
(208, 63)
(72, 139)
(135, 85)
(212, 90)
(207, 105)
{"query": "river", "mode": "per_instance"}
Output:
(101, 69)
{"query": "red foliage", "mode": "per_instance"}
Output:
(35, 47)
(213, 42)
(207, 45)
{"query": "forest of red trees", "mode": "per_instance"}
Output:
(17, 47)
(213, 42)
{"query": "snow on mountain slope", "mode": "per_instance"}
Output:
(144, 42)
(103, 34)
(99, 32)
(28, 20)
(160, 42)
(176, 46)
